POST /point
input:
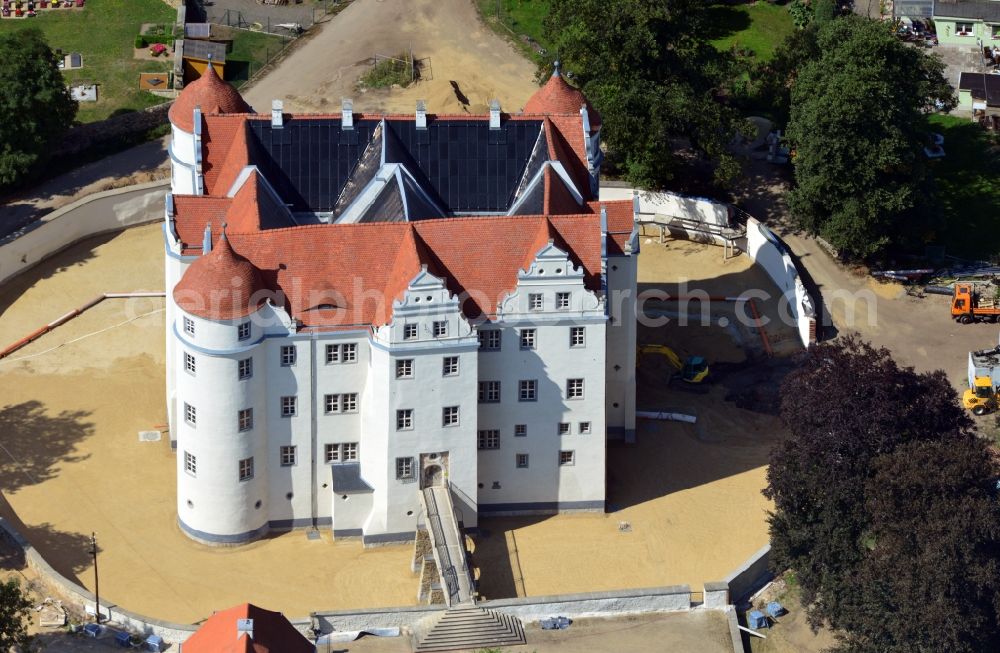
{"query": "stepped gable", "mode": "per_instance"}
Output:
(271, 633)
(221, 285)
(471, 628)
(211, 94)
(558, 97)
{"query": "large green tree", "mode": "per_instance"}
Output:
(865, 435)
(858, 131)
(35, 104)
(15, 615)
(649, 69)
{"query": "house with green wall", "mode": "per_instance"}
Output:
(962, 22)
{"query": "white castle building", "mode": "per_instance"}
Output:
(362, 305)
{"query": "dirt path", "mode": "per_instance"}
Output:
(446, 34)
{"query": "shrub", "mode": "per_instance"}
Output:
(389, 72)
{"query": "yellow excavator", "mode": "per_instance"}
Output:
(692, 370)
(981, 398)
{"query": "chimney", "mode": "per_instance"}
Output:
(495, 114)
(421, 114)
(244, 627)
(206, 242)
(347, 114)
(277, 114)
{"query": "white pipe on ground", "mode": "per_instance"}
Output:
(752, 632)
(673, 417)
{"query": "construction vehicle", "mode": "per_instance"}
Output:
(981, 398)
(971, 303)
(693, 370)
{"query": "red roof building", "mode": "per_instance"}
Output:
(247, 629)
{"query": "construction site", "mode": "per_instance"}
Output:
(84, 404)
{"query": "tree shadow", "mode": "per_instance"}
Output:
(67, 553)
(724, 19)
(34, 444)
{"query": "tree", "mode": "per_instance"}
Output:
(847, 404)
(931, 572)
(34, 101)
(649, 69)
(858, 132)
(15, 614)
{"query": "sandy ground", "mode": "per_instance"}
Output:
(72, 463)
(690, 494)
(446, 36)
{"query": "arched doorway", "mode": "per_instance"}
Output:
(433, 476)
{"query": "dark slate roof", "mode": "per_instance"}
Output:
(983, 86)
(388, 206)
(198, 49)
(347, 478)
(462, 165)
(973, 9)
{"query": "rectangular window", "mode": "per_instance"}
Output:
(288, 355)
(404, 419)
(332, 354)
(189, 362)
(404, 368)
(963, 29)
(449, 416)
(190, 414)
(331, 453)
(577, 337)
(527, 390)
(563, 428)
(527, 338)
(349, 451)
(409, 332)
(489, 340)
(574, 388)
(349, 353)
(520, 430)
(565, 457)
(489, 392)
(449, 366)
(562, 301)
(521, 460)
(245, 419)
(535, 301)
(404, 469)
(440, 329)
(243, 331)
(289, 406)
(189, 326)
(331, 404)
(287, 456)
(489, 439)
(246, 469)
(349, 402)
(995, 31)
(190, 464)
(584, 428)
(245, 368)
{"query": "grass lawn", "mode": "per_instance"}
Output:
(968, 186)
(251, 52)
(523, 17)
(104, 32)
(758, 27)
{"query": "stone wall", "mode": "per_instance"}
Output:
(124, 128)
(95, 214)
(751, 575)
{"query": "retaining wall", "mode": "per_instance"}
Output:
(751, 575)
(767, 251)
(95, 214)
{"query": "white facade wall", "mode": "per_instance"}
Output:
(185, 157)
(621, 351)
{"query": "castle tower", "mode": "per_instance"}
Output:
(206, 95)
(220, 380)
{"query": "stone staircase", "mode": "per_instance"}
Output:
(469, 627)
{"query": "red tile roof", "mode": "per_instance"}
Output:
(558, 199)
(226, 151)
(272, 633)
(362, 268)
(211, 94)
(220, 285)
(558, 97)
